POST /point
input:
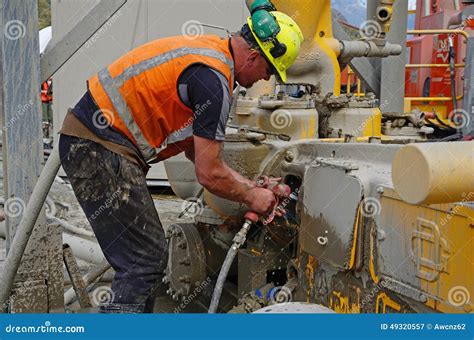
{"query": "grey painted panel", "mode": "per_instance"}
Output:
(394, 239)
(330, 202)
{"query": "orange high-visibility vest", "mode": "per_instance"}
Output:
(46, 96)
(138, 93)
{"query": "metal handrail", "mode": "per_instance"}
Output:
(433, 99)
(359, 92)
(419, 32)
(440, 31)
(443, 31)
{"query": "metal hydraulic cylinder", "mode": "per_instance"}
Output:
(430, 173)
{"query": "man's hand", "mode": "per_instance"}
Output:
(217, 177)
(261, 201)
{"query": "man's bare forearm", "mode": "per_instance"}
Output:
(221, 180)
(216, 176)
(227, 183)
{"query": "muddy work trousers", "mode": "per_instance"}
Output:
(113, 193)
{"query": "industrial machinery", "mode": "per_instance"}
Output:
(437, 50)
(380, 218)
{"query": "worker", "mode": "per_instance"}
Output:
(168, 96)
(47, 103)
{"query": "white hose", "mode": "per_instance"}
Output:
(71, 228)
(84, 249)
(51, 206)
(26, 225)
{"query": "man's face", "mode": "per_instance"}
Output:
(255, 69)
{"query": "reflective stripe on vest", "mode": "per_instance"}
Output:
(112, 85)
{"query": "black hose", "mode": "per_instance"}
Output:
(441, 122)
(452, 68)
(456, 136)
(433, 125)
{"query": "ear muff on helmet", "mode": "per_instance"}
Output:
(282, 48)
(276, 51)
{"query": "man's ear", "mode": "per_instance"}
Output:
(253, 56)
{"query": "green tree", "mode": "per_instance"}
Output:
(44, 13)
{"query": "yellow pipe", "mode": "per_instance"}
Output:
(387, 9)
(372, 269)
(348, 86)
(341, 140)
(433, 65)
(318, 57)
(354, 242)
(358, 139)
(430, 173)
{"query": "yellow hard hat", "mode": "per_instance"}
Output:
(283, 50)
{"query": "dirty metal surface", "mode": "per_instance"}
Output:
(186, 262)
(254, 267)
(330, 202)
(423, 252)
(76, 277)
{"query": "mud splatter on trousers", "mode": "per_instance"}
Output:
(113, 193)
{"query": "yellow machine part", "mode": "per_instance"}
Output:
(385, 305)
(308, 127)
(345, 304)
(373, 125)
(427, 173)
(439, 241)
(440, 109)
(314, 17)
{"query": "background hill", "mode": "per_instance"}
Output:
(44, 13)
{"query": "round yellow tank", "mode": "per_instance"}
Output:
(430, 173)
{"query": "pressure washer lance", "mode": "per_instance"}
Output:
(280, 190)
